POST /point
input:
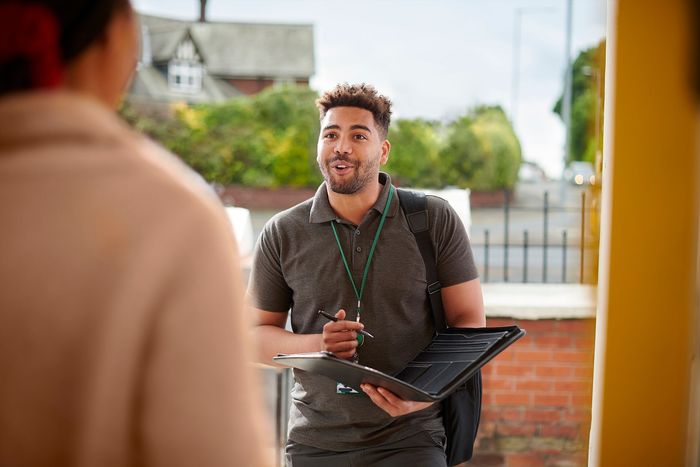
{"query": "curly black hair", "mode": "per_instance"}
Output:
(362, 95)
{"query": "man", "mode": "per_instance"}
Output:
(349, 250)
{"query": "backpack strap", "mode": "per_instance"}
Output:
(415, 207)
(461, 410)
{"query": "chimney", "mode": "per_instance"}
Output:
(202, 11)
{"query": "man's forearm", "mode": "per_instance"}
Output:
(273, 340)
(476, 321)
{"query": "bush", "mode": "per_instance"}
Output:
(413, 160)
(269, 140)
(266, 140)
(480, 151)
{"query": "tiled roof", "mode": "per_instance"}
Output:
(151, 83)
(238, 49)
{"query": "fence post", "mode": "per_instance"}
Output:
(282, 410)
(525, 256)
(563, 259)
(544, 236)
(506, 215)
(583, 233)
(486, 255)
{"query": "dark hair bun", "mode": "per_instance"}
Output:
(38, 37)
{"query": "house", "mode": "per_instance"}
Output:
(214, 61)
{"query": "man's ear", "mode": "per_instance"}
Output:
(386, 149)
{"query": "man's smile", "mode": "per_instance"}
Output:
(341, 167)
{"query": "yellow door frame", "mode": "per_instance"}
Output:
(647, 271)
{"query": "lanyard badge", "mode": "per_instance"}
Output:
(360, 293)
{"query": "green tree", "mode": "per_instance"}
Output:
(414, 153)
(265, 140)
(291, 117)
(587, 75)
(269, 140)
(480, 151)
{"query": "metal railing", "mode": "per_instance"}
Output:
(539, 257)
(276, 385)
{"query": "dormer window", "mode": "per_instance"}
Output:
(185, 69)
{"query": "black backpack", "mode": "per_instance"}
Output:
(461, 410)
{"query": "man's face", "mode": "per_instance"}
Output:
(350, 149)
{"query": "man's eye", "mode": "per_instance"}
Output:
(360, 137)
(329, 136)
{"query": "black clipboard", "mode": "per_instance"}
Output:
(451, 358)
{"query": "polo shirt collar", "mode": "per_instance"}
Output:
(321, 210)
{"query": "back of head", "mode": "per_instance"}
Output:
(39, 37)
(364, 96)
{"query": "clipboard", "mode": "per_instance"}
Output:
(452, 357)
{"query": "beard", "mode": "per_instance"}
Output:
(362, 175)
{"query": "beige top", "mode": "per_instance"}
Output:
(122, 336)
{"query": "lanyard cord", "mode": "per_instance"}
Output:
(371, 252)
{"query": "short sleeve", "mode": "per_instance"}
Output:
(455, 261)
(267, 286)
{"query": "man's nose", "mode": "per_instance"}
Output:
(342, 145)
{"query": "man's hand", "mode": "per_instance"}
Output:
(340, 337)
(390, 402)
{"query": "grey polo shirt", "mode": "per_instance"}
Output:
(298, 267)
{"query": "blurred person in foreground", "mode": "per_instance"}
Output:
(122, 335)
(349, 250)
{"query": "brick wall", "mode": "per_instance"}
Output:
(250, 86)
(537, 397)
(285, 197)
(263, 198)
(490, 199)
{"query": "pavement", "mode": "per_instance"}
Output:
(539, 301)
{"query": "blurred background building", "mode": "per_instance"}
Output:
(215, 61)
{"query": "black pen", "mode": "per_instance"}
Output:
(334, 319)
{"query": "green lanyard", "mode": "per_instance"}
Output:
(369, 258)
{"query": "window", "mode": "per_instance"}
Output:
(185, 70)
(185, 76)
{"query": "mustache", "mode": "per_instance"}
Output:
(340, 158)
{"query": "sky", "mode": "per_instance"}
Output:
(436, 58)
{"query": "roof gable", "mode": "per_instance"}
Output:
(238, 49)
